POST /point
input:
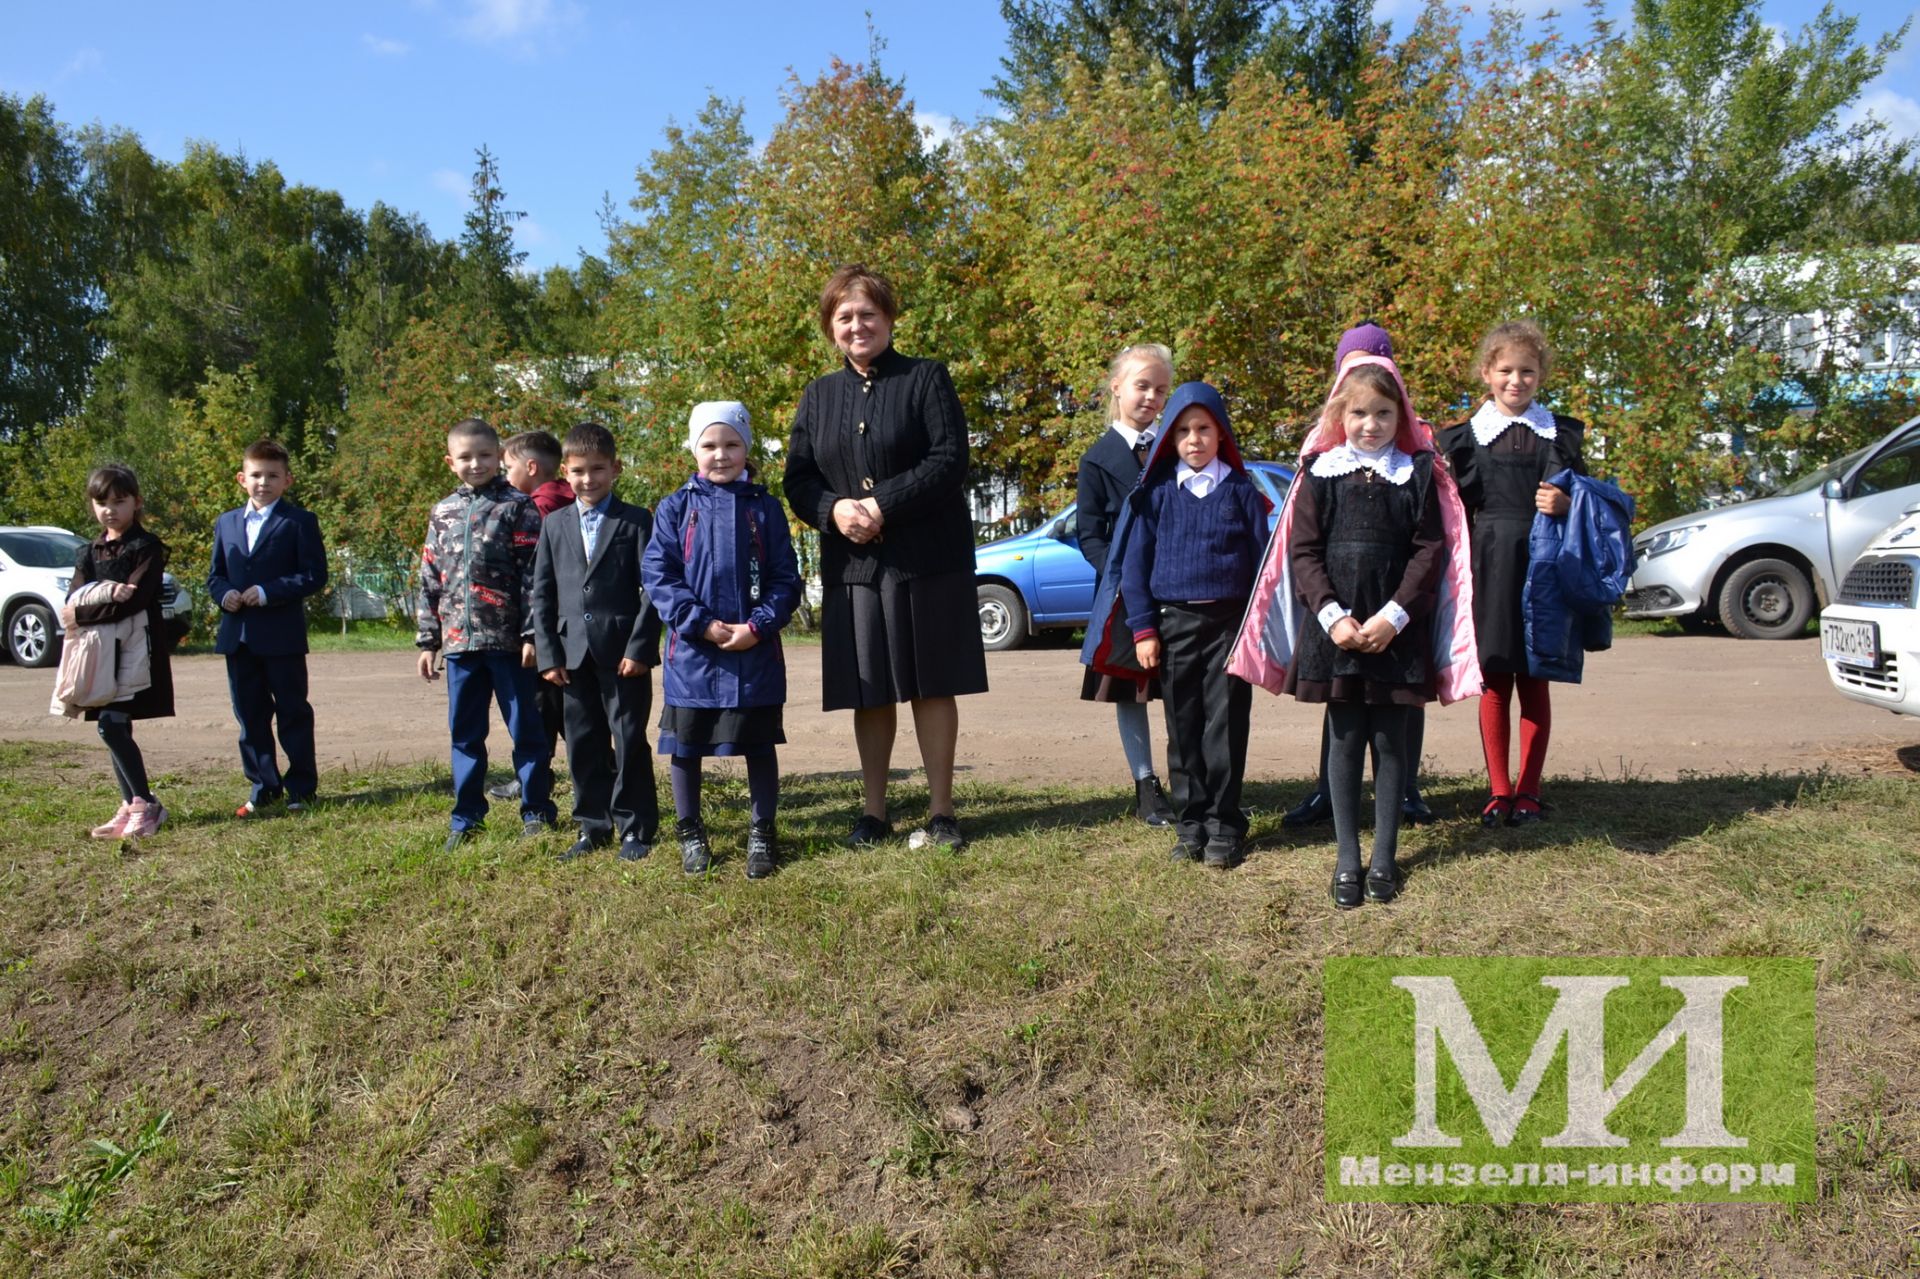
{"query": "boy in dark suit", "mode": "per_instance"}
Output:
(267, 558)
(597, 636)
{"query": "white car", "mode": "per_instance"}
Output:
(36, 570)
(1761, 568)
(1870, 635)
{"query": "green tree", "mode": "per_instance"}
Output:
(49, 270)
(489, 261)
(1199, 43)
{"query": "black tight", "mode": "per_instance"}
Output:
(1353, 728)
(116, 730)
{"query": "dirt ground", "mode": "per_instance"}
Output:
(1653, 707)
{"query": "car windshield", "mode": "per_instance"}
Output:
(41, 550)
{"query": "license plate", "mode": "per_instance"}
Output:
(1855, 643)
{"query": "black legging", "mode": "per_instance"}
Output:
(1355, 726)
(116, 730)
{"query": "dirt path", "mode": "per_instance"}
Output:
(1653, 707)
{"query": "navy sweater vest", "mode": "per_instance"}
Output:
(1200, 548)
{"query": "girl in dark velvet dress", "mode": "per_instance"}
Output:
(878, 463)
(1502, 457)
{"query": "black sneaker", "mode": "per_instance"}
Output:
(1150, 802)
(1311, 811)
(535, 828)
(761, 858)
(458, 836)
(695, 853)
(868, 831)
(1188, 850)
(945, 831)
(509, 789)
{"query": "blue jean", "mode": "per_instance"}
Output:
(474, 679)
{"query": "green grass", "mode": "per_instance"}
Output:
(1053, 1054)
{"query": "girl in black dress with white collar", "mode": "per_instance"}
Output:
(1501, 457)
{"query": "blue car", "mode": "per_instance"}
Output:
(1040, 580)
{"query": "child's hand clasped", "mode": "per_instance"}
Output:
(1148, 651)
(1347, 634)
(1549, 500)
(734, 637)
(1376, 635)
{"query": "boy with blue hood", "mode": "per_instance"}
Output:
(1189, 553)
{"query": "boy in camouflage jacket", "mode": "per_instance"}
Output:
(476, 585)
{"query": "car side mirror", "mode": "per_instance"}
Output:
(1061, 531)
(1831, 491)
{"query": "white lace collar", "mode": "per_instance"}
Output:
(1390, 464)
(1491, 422)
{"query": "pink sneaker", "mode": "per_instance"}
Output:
(115, 826)
(145, 820)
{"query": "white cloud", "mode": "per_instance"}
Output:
(505, 21)
(83, 62)
(935, 129)
(382, 47)
(458, 185)
(1898, 112)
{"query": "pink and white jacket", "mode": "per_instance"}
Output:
(1263, 650)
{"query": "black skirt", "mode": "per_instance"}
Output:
(722, 730)
(900, 639)
(1095, 687)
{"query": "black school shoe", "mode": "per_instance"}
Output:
(696, 855)
(761, 859)
(1534, 811)
(1384, 888)
(1150, 802)
(1189, 850)
(1346, 889)
(1221, 853)
(1414, 810)
(633, 848)
(1311, 811)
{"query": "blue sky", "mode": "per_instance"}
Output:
(389, 101)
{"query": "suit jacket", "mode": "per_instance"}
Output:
(1108, 472)
(288, 562)
(598, 610)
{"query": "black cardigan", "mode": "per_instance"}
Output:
(140, 558)
(896, 435)
(1108, 472)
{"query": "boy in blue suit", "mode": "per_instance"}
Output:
(267, 558)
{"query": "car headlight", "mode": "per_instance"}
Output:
(1670, 540)
(63, 584)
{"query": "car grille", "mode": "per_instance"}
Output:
(1885, 582)
(1884, 682)
(169, 594)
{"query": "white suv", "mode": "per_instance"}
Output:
(36, 570)
(1870, 636)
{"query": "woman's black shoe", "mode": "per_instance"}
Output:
(1414, 810)
(1346, 889)
(1150, 802)
(1311, 811)
(1383, 888)
(695, 853)
(868, 831)
(1497, 811)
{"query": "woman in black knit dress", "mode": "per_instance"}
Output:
(878, 463)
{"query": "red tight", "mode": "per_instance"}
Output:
(1536, 723)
